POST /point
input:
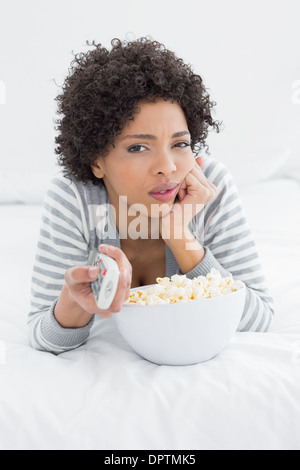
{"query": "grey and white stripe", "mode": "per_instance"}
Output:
(70, 233)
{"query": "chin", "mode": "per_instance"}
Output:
(154, 210)
(160, 210)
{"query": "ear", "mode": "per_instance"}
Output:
(97, 169)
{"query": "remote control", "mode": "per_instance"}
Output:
(105, 287)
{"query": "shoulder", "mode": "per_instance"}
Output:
(227, 193)
(215, 170)
(69, 187)
(218, 174)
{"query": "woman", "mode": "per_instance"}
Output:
(133, 120)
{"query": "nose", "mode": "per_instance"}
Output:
(164, 164)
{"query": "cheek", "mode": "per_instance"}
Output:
(187, 164)
(130, 176)
(126, 177)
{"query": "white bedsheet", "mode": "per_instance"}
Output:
(104, 396)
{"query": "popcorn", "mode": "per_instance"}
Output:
(182, 289)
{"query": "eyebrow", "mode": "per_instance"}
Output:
(153, 137)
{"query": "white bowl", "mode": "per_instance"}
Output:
(183, 333)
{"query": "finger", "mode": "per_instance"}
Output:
(115, 253)
(183, 184)
(128, 287)
(82, 274)
(123, 291)
(199, 161)
(187, 186)
(182, 190)
(122, 294)
(193, 179)
(197, 171)
(119, 256)
(199, 187)
(199, 174)
(181, 194)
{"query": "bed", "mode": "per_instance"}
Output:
(104, 396)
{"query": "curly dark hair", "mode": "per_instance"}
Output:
(101, 93)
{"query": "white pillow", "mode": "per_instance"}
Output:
(250, 168)
(23, 187)
(291, 168)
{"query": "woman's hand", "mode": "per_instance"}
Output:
(195, 192)
(77, 304)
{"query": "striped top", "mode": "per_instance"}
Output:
(72, 228)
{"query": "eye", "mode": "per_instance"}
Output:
(136, 148)
(182, 145)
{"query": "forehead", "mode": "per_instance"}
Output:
(156, 118)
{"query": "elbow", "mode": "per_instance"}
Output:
(259, 322)
(35, 338)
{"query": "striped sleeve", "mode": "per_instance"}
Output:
(223, 230)
(62, 244)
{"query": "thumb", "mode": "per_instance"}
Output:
(84, 273)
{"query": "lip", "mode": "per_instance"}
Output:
(164, 187)
(171, 189)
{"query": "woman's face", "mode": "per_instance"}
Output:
(150, 158)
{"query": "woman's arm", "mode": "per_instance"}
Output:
(76, 304)
(232, 245)
(62, 244)
(62, 303)
(219, 237)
